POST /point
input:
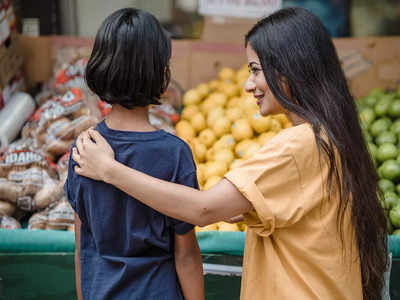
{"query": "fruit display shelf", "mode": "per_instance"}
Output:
(39, 264)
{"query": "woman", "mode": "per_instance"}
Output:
(316, 229)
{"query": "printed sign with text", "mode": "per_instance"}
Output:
(239, 8)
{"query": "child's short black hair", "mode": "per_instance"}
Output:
(129, 64)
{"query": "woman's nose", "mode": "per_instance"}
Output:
(249, 85)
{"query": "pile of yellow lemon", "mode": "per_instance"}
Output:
(222, 125)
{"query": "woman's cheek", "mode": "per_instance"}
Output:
(265, 108)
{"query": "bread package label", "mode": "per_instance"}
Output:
(73, 74)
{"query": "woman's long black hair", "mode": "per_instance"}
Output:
(293, 44)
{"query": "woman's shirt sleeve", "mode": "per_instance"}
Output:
(271, 181)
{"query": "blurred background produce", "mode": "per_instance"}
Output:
(222, 125)
(379, 114)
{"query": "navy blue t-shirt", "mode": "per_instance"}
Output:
(127, 248)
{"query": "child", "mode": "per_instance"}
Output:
(124, 249)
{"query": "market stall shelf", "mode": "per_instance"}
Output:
(39, 264)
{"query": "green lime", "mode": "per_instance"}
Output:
(391, 169)
(379, 126)
(373, 149)
(382, 107)
(394, 109)
(394, 215)
(360, 106)
(395, 127)
(379, 172)
(398, 189)
(391, 199)
(376, 92)
(386, 152)
(396, 232)
(367, 136)
(388, 121)
(390, 97)
(370, 101)
(386, 185)
(367, 116)
(386, 137)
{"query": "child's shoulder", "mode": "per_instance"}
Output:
(176, 141)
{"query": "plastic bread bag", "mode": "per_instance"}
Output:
(67, 59)
(44, 96)
(62, 168)
(173, 95)
(61, 216)
(28, 179)
(7, 208)
(38, 220)
(71, 76)
(58, 121)
(20, 154)
(163, 117)
(7, 222)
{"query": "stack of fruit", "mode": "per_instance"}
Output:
(379, 114)
(223, 126)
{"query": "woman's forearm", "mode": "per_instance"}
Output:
(175, 200)
(163, 196)
(95, 159)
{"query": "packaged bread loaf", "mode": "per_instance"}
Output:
(28, 179)
(38, 220)
(64, 56)
(72, 75)
(60, 119)
(62, 168)
(7, 208)
(7, 222)
(61, 215)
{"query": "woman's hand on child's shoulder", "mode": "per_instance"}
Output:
(92, 153)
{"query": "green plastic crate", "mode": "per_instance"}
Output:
(40, 264)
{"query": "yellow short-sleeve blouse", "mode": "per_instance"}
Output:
(293, 248)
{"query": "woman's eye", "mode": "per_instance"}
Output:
(254, 70)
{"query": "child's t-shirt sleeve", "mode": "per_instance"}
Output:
(68, 183)
(189, 180)
(72, 187)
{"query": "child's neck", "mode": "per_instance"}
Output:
(136, 119)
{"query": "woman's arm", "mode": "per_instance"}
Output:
(96, 160)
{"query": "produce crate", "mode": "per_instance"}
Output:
(48, 276)
(40, 264)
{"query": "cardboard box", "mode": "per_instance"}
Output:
(209, 57)
(368, 62)
(10, 59)
(226, 29)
